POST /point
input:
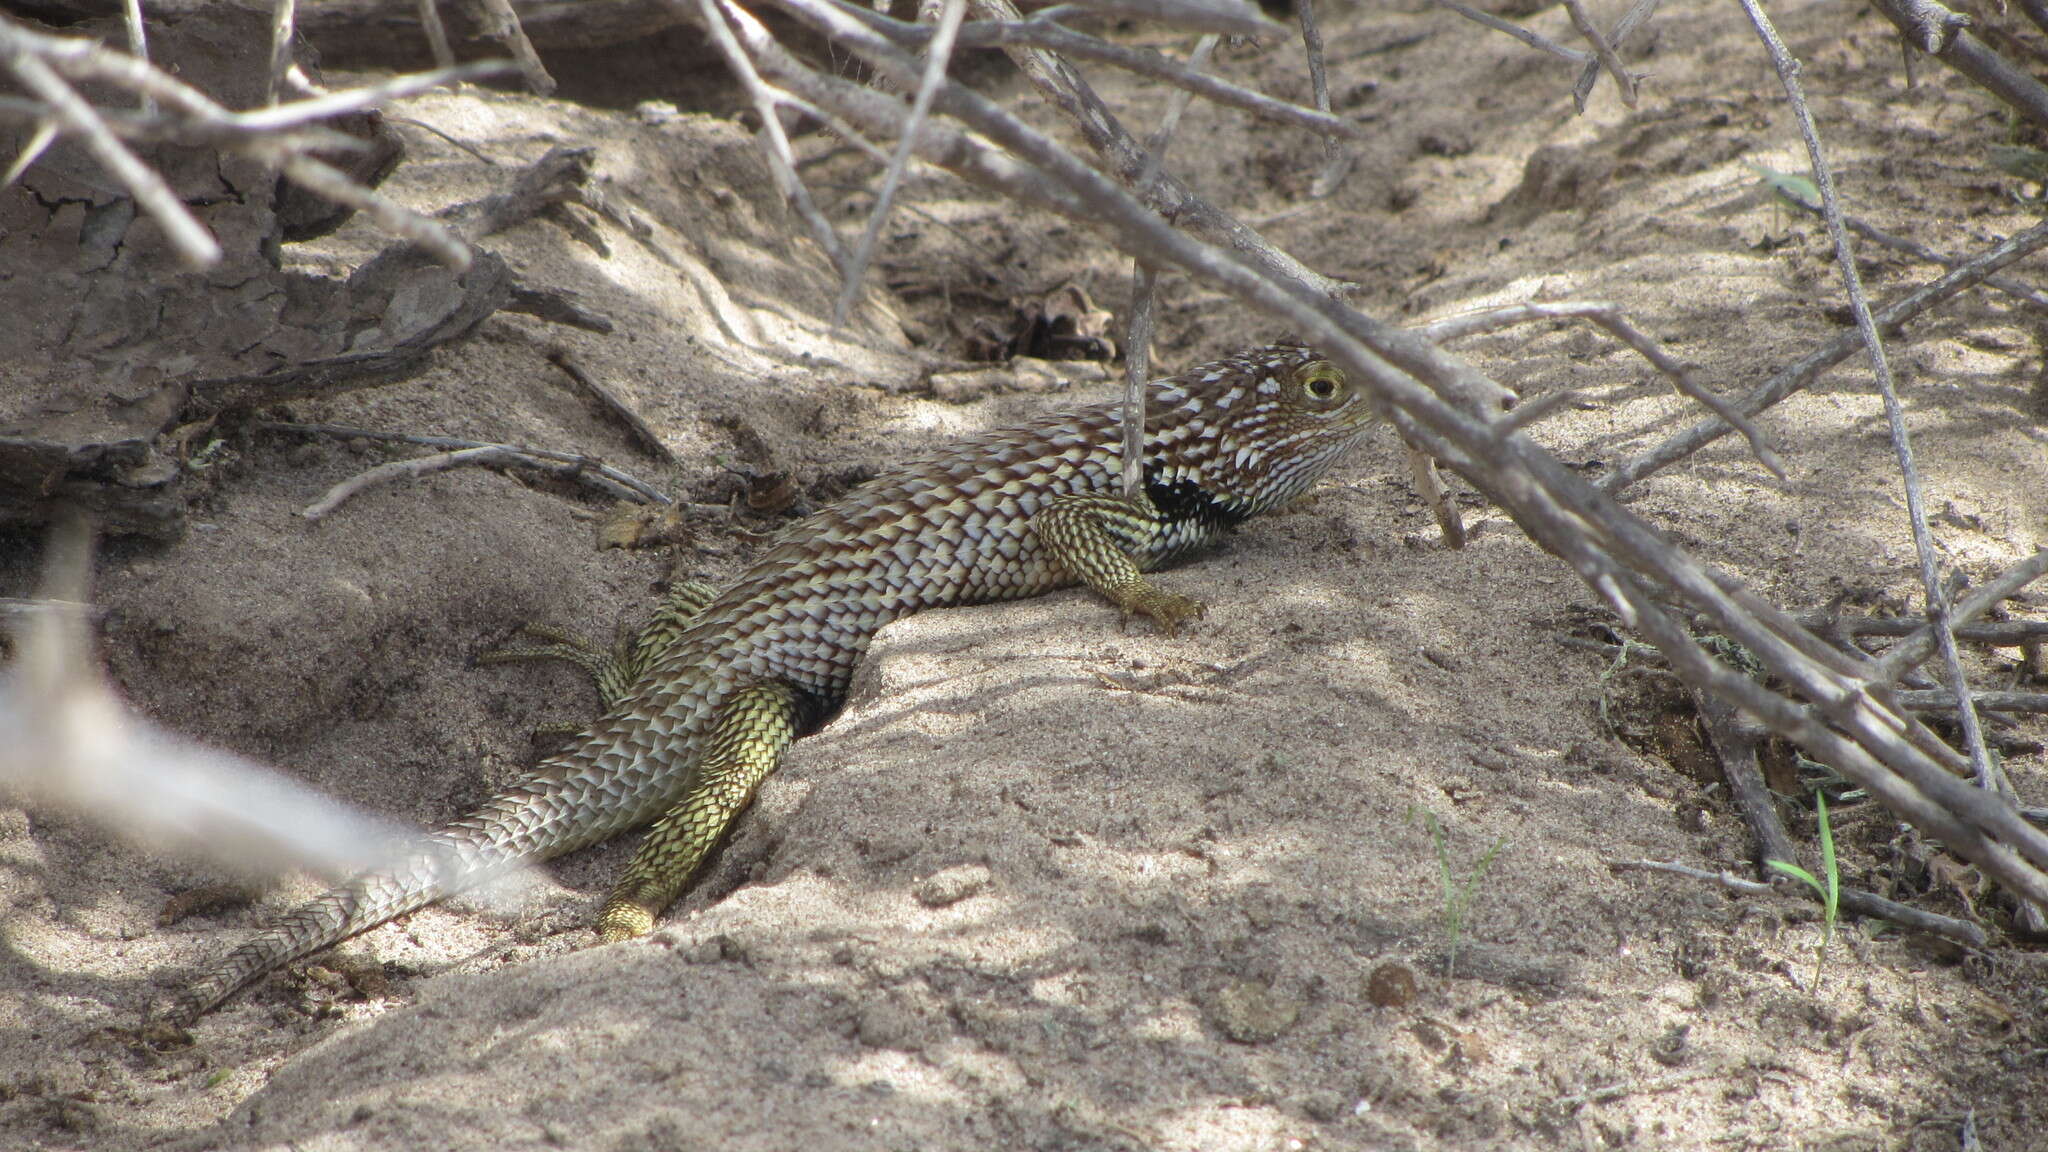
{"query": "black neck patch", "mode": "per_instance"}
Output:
(1186, 502)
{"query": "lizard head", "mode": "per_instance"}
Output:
(1255, 429)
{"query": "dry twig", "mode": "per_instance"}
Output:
(1144, 278)
(1226, 17)
(1534, 40)
(940, 54)
(501, 23)
(1987, 773)
(437, 35)
(281, 14)
(1943, 34)
(1037, 32)
(2000, 633)
(642, 433)
(1856, 900)
(1336, 159)
(1624, 80)
(1608, 316)
(2026, 295)
(1945, 701)
(572, 465)
(1809, 368)
(1630, 20)
(1057, 80)
(774, 140)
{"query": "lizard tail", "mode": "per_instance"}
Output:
(570, 803)
(342, 912)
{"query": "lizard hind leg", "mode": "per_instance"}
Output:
(753, 726)
(617, 669)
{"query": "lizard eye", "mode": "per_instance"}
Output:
(1322, 382)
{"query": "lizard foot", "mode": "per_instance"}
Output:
(1166, 609)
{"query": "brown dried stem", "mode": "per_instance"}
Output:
(502, 24)
(1988, 775)
(1945, 35)
(1809, 368)
(2002, 634)
(281, 15)
(437, 34)
(1609, 317)
(459, 453)
(1038, 33)
(775, 146)
(1624, 80)
(1336, 159)
(1144, 278)
(1855, 900)
(951, 13)
(1534, 40)
(1060, 83)
(1630, 20)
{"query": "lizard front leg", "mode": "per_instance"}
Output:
(1081, 533)
(754, 724)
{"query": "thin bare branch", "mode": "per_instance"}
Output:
(1431, 489)
(774, 140)
(437, 35)
(1809, 368)
(138, 43)
(466, 453)
(1137, 372)
(2001, 634)
(1057, 80)
(1624, 81)
(1988, 775)
(1037, 33)
(332, 104)
(2026, 295)
(1176, 106)
(624, 413)
(1336, 158)
(1609, 317)
(951, 13)
(502, 25)
(1855, 900)
(1735, 746)
(282, 13)
(1943, 34)
(1630, 20)
(1942, 700)
(38, 142)
(1228, 17)
(1144, 279)
(1920, 644)
(321, 177)
(1534, 40)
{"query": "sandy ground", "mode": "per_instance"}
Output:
(1046, 883)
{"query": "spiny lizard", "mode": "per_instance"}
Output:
(731, 679)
